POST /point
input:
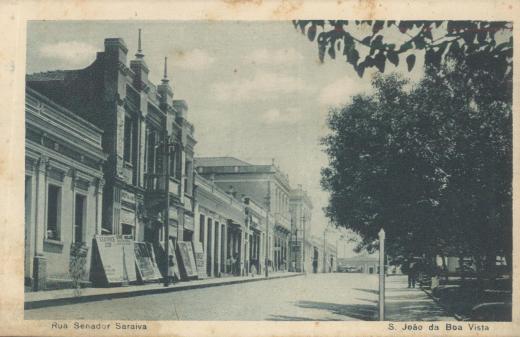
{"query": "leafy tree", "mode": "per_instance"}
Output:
(373, 43)
(432, 164)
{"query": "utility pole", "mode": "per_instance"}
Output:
(381, 275)
(303, 245)
(166, 156)
(295, 247)
(324, 250)
(268, 206)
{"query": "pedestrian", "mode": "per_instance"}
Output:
(171, 273)
(412, 274)
(233, 265)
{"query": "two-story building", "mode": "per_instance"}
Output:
(267, 185)
(137, 119)
(63, 191)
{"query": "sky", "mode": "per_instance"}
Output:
(255, 89)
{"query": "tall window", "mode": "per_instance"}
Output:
(201, 228)
(187, 177)
(175, 163)
(127, 229)
(129, 139)
(53, 212)
(151, 152)
(79, 220)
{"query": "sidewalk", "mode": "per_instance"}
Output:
(66, 296)
(411, 304)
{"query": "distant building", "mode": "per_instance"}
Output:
(266, 185)
(365, 263)
(301, 219)
(256, 226)
(63, 190)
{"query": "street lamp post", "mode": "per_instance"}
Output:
(303, 243)
(324, 250)
(381, 275)
(295, 247)
(268, 205)
(167, 144)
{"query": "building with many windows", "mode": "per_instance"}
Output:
(145, 134)
(266, 185)
(63, 190)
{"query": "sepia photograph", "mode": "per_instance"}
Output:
(297, 170)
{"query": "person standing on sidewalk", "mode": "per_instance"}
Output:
(412, 274)
(171, 273)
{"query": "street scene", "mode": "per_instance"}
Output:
(315, 297)
(307, 170)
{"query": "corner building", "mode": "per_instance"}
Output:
(266, 185)
(63, 191)
(136, 117)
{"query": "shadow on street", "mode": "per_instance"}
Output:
(363, 312)
(371, 291)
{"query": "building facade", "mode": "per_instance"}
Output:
(256, 221)
(146, 135)
(266, 185)
(301, 219)
(63, 191)
(220, 229)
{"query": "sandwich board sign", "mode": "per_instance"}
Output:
(187, 259)
(200, 259)
(117, 258)
(144, 263)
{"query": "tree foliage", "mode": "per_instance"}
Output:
(374, 43)
(431, 164)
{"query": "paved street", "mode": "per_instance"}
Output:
(311, 297)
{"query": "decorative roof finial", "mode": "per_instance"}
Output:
(139, 54)
(165, 76)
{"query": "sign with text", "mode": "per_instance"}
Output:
(187, 259)
(175, 268)
(117, 257)
(145, 266)
(153, 257)
(200, 259)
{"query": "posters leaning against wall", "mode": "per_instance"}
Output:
(114, 260)
(146, 267)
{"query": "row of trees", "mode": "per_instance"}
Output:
(432, 164)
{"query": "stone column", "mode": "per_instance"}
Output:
(212, 249)
(224, 247)
(39, 261)
(219, 248)
(41, 205)
(99, 205)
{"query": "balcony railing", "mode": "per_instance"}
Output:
(282, 220)
(128, 173)
(155, 183)
(174, 186)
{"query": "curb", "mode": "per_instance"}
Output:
(138, 292)
(437, 300)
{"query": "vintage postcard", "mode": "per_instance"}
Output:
(250, 168)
